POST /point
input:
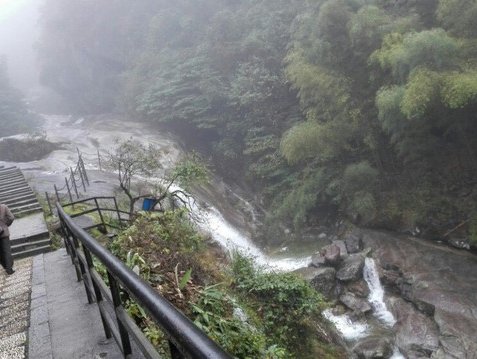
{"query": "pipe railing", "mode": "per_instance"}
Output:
(185, 339)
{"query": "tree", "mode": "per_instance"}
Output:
(132, 160)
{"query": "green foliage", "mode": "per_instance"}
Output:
(214, 314)
(458, 16)
(285, 300)
(430, 48)
(421, 93)
(460, 89)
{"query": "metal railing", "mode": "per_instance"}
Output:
(123, 217)
(185, 339)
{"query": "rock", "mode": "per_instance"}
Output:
(354, 243)
(357, 305)
(342, 247)
(461, 243)
(317, 260)
(322, 279)
(322, 236)
(373, 347)
(351, 268)
(359, 288)
(332, 254)
(417, 335)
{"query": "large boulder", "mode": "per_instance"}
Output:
(359, 288)
(357, 305)
(342, 246)
(373, 348)
(322, 279)
(318, 260)
(332, 254)
(354, 243)
(351, 269)
(417, 335)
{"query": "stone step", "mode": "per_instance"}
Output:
(19, 196)
(28, 211)
(16, 191)
(32, 252)
(22, 247)
(27, 207)
(16, 178)
(15, 203)
(8, 173)
(31, 238)
(14, 186)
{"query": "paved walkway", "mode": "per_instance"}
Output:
(63, 324)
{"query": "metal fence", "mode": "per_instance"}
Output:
(185, 339)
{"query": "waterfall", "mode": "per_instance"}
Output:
(376, 293)
(210, 220)
(349, 330)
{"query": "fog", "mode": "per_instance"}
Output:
(19, 31)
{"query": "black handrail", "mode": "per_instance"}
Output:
(186, 340)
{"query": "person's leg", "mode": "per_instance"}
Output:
(6, 255)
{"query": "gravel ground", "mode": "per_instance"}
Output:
(15, 309)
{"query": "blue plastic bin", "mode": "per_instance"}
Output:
(147, 204)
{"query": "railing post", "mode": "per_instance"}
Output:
(116, 295)
(57, 194)
(69, 191)
(100, 213)
(73, 181)
(117, 211)
(80, 171)
(81, 162)
(97, 291)
(48, 202)
(175, 353)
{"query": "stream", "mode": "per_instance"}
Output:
(431, 310)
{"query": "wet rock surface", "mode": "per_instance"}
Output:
(322, 279)
(356, 304)
(439, 287)
(351, 269)
(417, 335)
(373, 348)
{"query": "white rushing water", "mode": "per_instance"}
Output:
(376, 293)
(349, 330)
(210, 220)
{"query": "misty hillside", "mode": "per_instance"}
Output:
(349, 108)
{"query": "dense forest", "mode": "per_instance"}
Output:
(357, 109)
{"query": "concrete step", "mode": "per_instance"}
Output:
(32, 252)
(14, 186)
(32, 238)
(18, 248)
(17, 178)
(28, 211)
(19, 196)
(9, 173)
(15, 191)
(26, 207)
(15, 203)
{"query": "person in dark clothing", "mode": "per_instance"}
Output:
(6, 219)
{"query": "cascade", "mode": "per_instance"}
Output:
(376, 293)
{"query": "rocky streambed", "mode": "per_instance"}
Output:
(398, 296)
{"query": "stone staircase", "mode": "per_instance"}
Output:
(16, 193)
(29, 233)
